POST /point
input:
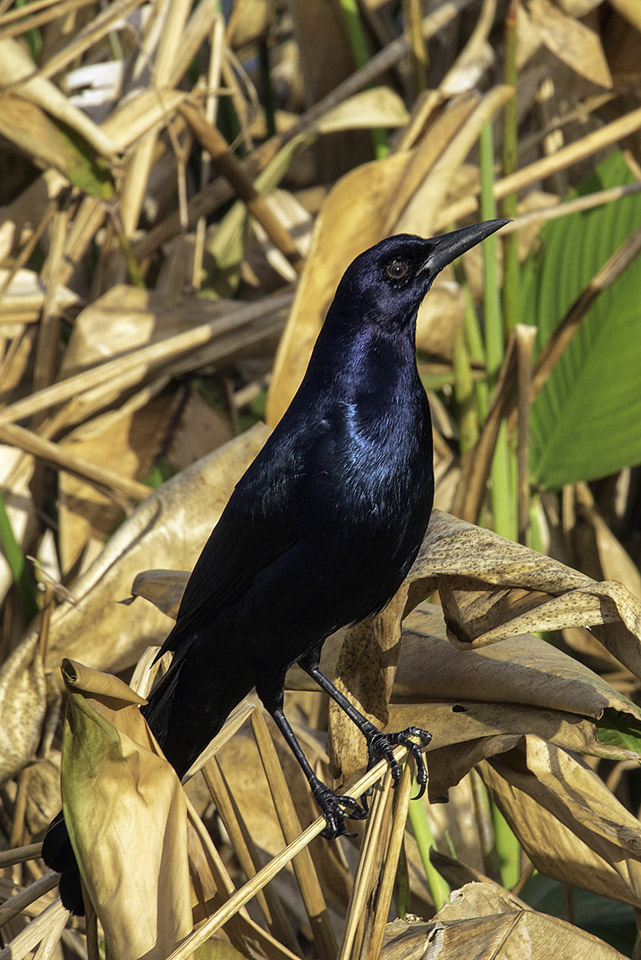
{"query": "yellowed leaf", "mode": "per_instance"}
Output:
(629, 9)
(126, 816)
(439, 316)
(615, 562)
(376, 107)
(17, 73)
(571, 41)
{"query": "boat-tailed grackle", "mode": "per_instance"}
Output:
(319, 532)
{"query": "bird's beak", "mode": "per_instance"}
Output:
(448, 246)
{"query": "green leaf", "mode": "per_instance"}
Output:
(585, 421)
(619, 730)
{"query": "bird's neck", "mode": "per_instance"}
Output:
(370, 359)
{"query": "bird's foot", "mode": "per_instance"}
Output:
(381, 747)
(337, 807)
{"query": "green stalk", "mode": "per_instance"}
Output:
(358, 44)
(494, 343)
(502, 487)
(402, 885)
(511, 270)
(507, 848)
(34, 36)
(439, 889)
(464, 393)
(15, 558)
(474, 342)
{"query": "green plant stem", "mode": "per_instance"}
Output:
(474, 342)
(511, 279)
(420, 824)
(34, 36)
(494, 342)
(507, 848)
(464, 393)
(358, 44)
(402, 885)
(15, 558)
(503, 472)
(502, 483)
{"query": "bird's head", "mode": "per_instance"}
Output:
(391, 278)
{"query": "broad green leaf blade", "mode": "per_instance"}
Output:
(584, 423)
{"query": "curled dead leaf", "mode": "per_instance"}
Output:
(498, 925)
(127, 818)
(568, 822)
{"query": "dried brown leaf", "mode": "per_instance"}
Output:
(571, 41)
(630, 10)
(126, 815)
(163, 588)
(570, 825)
(129, 438)
(365, 671)
(492, 588)
(499, 929)
(17, 74)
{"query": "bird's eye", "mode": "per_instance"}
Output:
(397, 269)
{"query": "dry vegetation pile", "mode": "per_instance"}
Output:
(180, 192)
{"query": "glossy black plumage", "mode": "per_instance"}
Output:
(324, 525)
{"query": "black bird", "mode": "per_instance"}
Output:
(319, 532)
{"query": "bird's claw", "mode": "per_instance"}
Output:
(381, 746)
(337, 807)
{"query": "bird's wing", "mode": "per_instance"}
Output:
(266, 516)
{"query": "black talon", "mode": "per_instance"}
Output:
(332, 804)
(380, 746)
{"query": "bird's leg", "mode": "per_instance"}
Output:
(379, 745)
(334, 806)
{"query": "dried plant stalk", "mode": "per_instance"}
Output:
(269, 871)
(303, 864)
(246, 851)
(140, 360)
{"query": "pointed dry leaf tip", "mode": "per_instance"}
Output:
(94, 683)
(163, 588)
